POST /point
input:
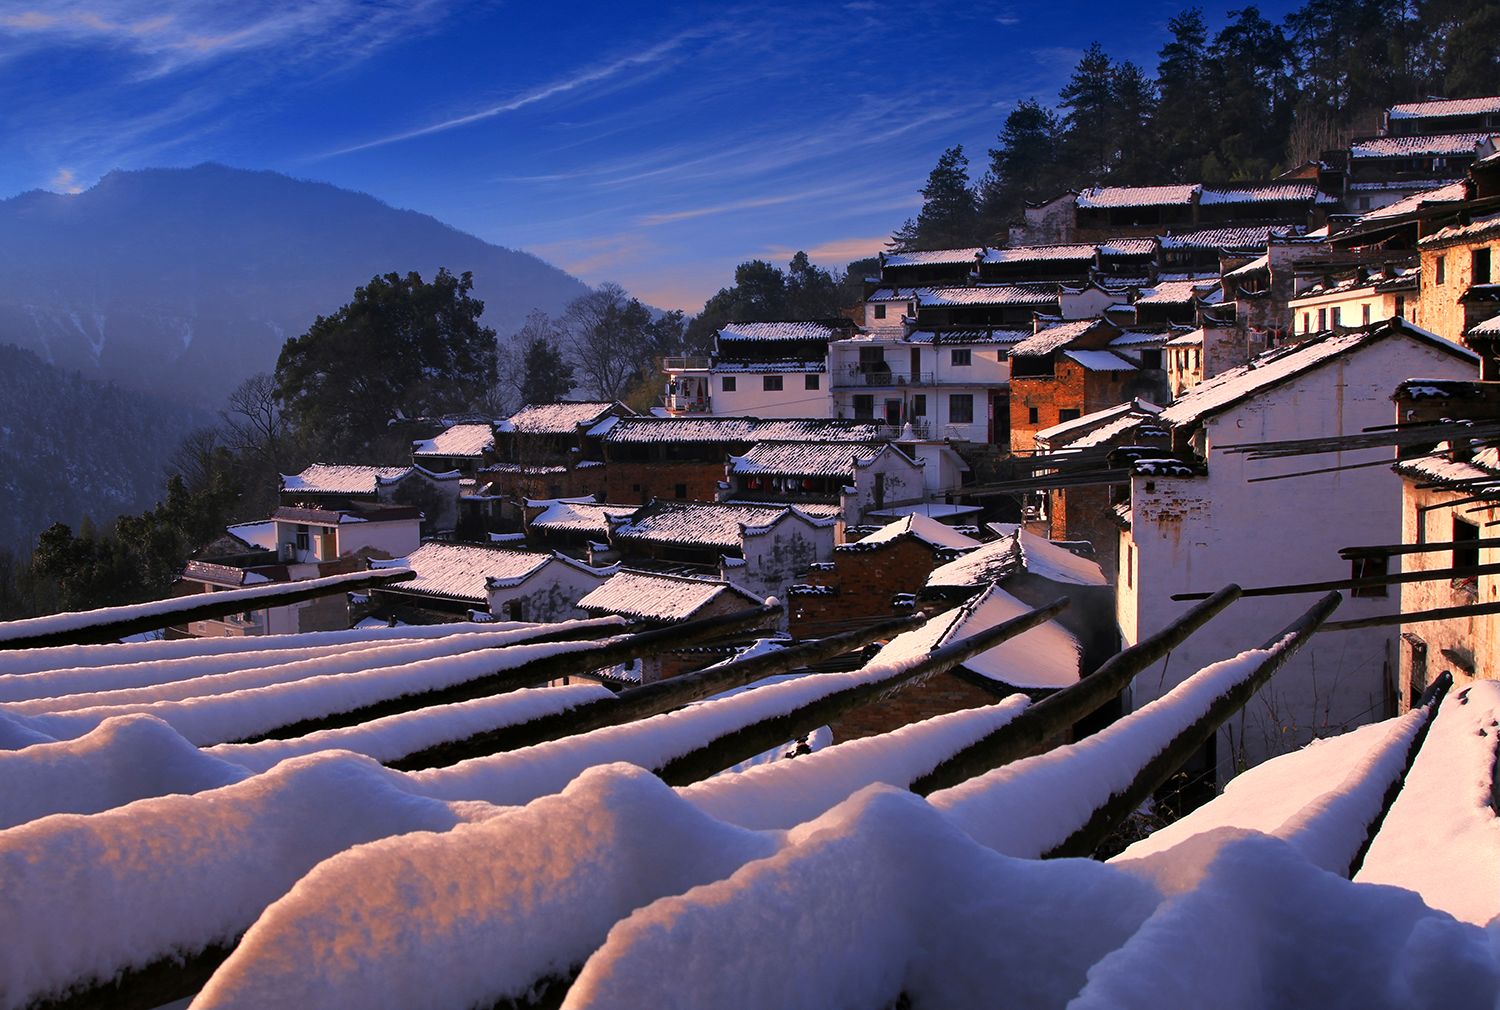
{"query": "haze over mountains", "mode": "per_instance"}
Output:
(182, 282)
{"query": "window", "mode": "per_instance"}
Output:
(1369, 568)
(727, 383)
(864, 407)
(1129, 565)
(1338, 315)
(880, 312)
(1440, 269)
(919, 405)
(304, 539)
(1322, 319)
(1031, 415)
(1151, 358)
(1307, 322)
(770, 383)
(1067, 414)
(515, 610)
(679, 490)
(1465, 548)
(960, 408)
(810, 382)
(1400, 306)
(1481, 263)
(1364, 313)
(959, 357)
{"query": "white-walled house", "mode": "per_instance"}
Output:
(764, 369)
(1196, 523)
(340, 485)
(512, 585)
(1358, 299)
(859, 478)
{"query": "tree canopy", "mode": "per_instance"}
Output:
(402, 348)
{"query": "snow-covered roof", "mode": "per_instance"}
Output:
(1140, 338)
(925, 529)
(643, 430)
(1043, 558)
(1100, 361)
(1445, 107)
(260, 534)
(1053, 338)
(933, 257)
(931, 508)
(1193, 338)
(807, 459)
(757, 367)
(459, 440)
(961, 337)
(1128, 247)
(1016, 551)
(799, 330)
(659, 597)
(1044, 658)
(562, 418)
(1276, 366)
(976, 294)
(714, 524)
(1237, 237)
(568, 515)
(1041, 253)
(460, 571)
(340, 478)
(1452, 192)
(1479, 477)
(229, 575)
(1258, 265)
(1274, 192)
(1488, 328)
(1439, 145)
(1137, 196)
(1059, 434)
(1478, 228)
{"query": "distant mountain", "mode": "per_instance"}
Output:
(181, 282)
(71, 447)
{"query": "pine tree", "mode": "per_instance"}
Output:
(1182, 126)
(948, 218)
(1252, 96)
(1133, 101)
(1088, 99)
(1024, 166)
(545, 376)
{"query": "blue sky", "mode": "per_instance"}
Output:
(656, 145)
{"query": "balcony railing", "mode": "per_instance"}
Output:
(860, 376)
(685, 363)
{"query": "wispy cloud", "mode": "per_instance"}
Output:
(591, 75)
(652, 220)
(64, 181)
(837, 251)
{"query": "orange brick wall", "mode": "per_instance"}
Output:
(866, 581)
(934, 696)
(629, 483)
(1072, 388)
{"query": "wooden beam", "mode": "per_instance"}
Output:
(1413, 616)
(1430, 575)
(110, 624)
(1091, 834)
(761, 736)
(1056, 714)
(653, 699)
(614, 650)
(1384, 550)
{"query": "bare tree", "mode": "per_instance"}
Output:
(252, 422)
(606, 333)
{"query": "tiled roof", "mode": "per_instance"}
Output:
(1479, 477)
(925, 529)
(1040, 253)
(1489, 328)
(644, 430)
(1477, 228)
(757, 367)
(933, 257)
(1100, 361)
(1137, 196)
(1453, 192)
(651, 596)
(1139, 338)
(806, 459)
(968, 337)
(563, 515)
(1444, 144)
(557, 418)
(1255, 266)
(1174, 292)
(1282, 364)
(799, 330)
(1053, 337)
(229, 575)
(978, 294)
(1276, 192)
(459, 440)
(1128, 247)
(1445, 107)
(339, 478)
(459, 571)
(1219, 238)
(715, 524)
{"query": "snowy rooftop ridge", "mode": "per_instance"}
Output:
(1439, 145)
(1445, 107)
(656, 596)
(787, 330)
(460, 571)
(458, 440)
(342, 478)
(562, 418)
(807, 459)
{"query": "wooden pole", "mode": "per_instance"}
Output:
(1412, 616)
(652, 699)
(1349, 553)
(1430, 575)
(1056, 714)
(1176, 752)
(110, 624)
(614, 650)
(761, 736)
